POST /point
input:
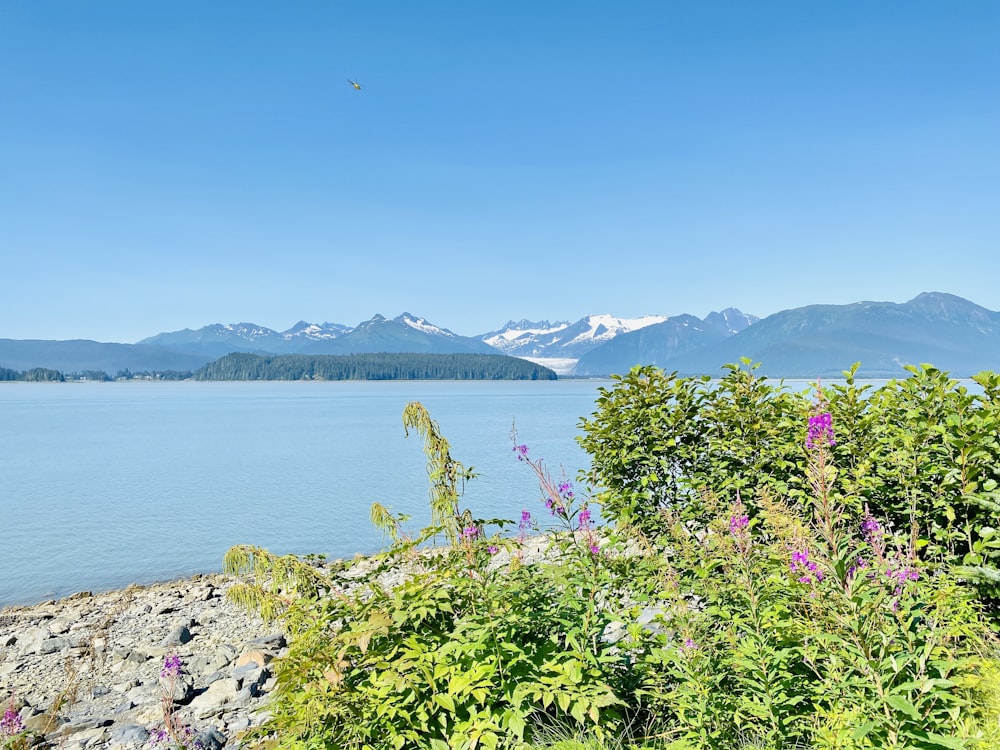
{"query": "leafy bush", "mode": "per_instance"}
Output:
(922, 452)
(787, 629)
(460, 646)
(772, 584)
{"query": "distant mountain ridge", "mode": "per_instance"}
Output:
(814, 341)
(944, 330)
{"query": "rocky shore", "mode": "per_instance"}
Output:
(85, 672)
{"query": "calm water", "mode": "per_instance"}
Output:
(105, 484)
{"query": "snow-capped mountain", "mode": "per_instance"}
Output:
(405, 333)
(562, 339)
(219, 339)
(559, 345)
(315, 331)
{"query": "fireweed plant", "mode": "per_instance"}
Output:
(174, 732)
(13, 735)
(471, 644)
(777, 571)
(813, 631)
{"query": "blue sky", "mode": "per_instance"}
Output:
(168, 164)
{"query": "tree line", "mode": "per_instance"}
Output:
(373, 366)
(48, 375)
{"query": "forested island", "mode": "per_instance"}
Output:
(377, 366)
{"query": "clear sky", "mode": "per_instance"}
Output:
(168, 164)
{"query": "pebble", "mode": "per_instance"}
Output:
(100, 656)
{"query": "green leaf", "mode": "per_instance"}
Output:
(901, 704)
(862, 731)
(445, 701)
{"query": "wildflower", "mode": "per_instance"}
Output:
(171, 666)
(525, 521)
(871, 528)
(594, 549)
(738, 523)
(492, 549)
(820, 431)
(901, 575)
(873, 534)
(859, 564)
(800, 563)
(584, 519)
(565, 490)
(522, 452)
(11, 723)
(469, 533)
(688, 646)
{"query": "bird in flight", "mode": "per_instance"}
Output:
(355, 84)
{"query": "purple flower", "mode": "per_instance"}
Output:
(594, 549)
(738, 523)
(522, 452)
(158, 736)
(11, 723)
(171, 666)
(820, 430)
(584, 518)
(800, 563)
(525, 520)
(469, 533)
(688, 646)
(565, 489)
(492, 549)
(871, 528)
(901, 575)
(858, 564)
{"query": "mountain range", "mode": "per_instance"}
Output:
(814, 341)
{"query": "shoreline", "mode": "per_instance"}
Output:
(100, 656)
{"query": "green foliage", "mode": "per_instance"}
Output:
(658, 442)
(804, 638)
(922, 452)
(463, 646)
(378, 366)
(772, 584)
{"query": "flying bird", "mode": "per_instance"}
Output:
(355, 84)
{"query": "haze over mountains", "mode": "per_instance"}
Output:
(815, 341)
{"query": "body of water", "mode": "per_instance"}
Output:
(106, 484)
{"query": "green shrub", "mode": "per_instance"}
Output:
(771, 584)
(922, 452)
(461, 646)
(786, 628)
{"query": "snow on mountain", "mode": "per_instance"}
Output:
(422, 325)
(562, 340)
(601, 328)
(315, 331)
(247, 331)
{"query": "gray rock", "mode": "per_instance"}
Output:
(250, 675)
(177, 637)
(238, 724)
(136, 657)
(122, 708)
(218, 694)
(129, 734)
(275, 640)
(99, 691)
(210, 739)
